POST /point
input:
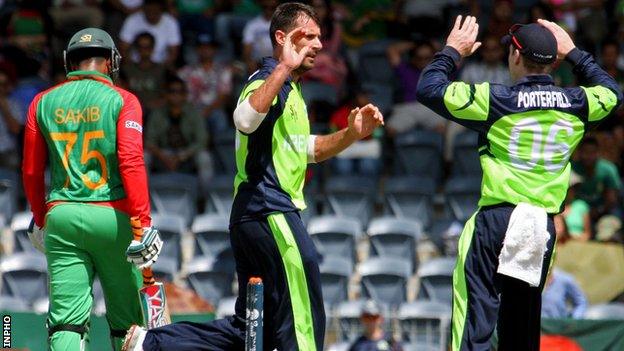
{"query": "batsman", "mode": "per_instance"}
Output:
(90, 133)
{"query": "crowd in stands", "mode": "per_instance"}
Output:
(187, 61)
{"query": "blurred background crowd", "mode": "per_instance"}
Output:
(187, 61)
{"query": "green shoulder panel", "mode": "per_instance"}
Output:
(250, 87)
(601, 101)
(468, 101)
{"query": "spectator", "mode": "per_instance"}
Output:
(563, 297)
(176, 136)
(491, 68)
(11, 125)
(365, 21)
(576, 212)
(196, 17)
(72, 15)
(145, 78)
(329, 66)
(601, 180)
(409, 113)
(209, 84)
(374, 337)
(164, 27)
(363, 156)
(609, 56)
(501, 19)
(425, 17)
(256, 38)
(116, 12)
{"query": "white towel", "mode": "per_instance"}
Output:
(524, 245)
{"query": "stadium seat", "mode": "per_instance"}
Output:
(317, 91)
(348, 313)
(436, 279)
(209, 279)
(384, 279)
(415, 346)
(339, 346)
(350, 196)
(311, 195)
(444, 233)
(373, 64)
(171, 228)
(174, 193)
(220, 195)
(613, 310)
(466, 155)
(426, 324)
(99, 305)
(395, 237)
(165, 269)
(335, 236)
(212, 234)
(24, 275)
(335, 273)
(224, 146)
(19, 227)
(226, 307)
(380, 94)
(9, 188)
(419, 153)
(409, 197)
(462, 197)
(13, 304)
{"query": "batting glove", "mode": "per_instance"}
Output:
(36, 236)
(145, 252)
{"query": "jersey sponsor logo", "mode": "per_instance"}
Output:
(76, 115)
(536, 99)
(296, 142)
(134, 125)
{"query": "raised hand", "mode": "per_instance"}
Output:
(463, 36)
(363, 121)
(564, 42)
(290, 57)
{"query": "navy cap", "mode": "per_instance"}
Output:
(534, 41)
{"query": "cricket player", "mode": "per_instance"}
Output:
(527, 133)
(269, 240)
(90, 133)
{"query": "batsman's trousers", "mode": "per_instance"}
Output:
(484, 299)
(278, 249)
(83, 241)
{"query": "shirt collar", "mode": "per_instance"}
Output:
(76, 75)
(536, 79)
(269, 63)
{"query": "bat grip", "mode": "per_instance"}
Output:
(137, 233)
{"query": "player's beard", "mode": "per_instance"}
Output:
(306, 65)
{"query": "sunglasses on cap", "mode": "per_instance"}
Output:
(514, 40)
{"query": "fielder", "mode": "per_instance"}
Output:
(273, 147)
(90, 132)
(527, 133)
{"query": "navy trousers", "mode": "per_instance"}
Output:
(278, 249)
(483, 299)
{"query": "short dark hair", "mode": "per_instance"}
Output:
(532, 66)
(286, 15)
(173, 79)
(146, 35)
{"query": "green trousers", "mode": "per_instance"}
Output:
(82, 241)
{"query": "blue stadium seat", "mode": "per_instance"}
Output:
(171, 228)
(466, 155)
(335, 236)
(209, 279)
(384, 279)
(224, 146)
(348, 314)
(409, 197)
(9, 189)
(335, 274)
(317, 91)
(19, 227)
(394, 237)
(419, 153)
(220, 195)
(613, 310)
(174, 193)
(24, 275)
(212, 234)
(462, 197)
(373, 64)
(13, 304)
(425, 325)
(350, 196)
(436, 279)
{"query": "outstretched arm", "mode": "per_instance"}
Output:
(362, 122)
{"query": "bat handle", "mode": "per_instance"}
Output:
(137, 233)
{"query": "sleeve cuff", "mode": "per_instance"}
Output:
(453, 54)
(575, 56)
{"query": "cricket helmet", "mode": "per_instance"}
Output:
(91, 42)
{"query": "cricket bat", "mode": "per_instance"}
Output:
(255, 314)
(152, 294)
